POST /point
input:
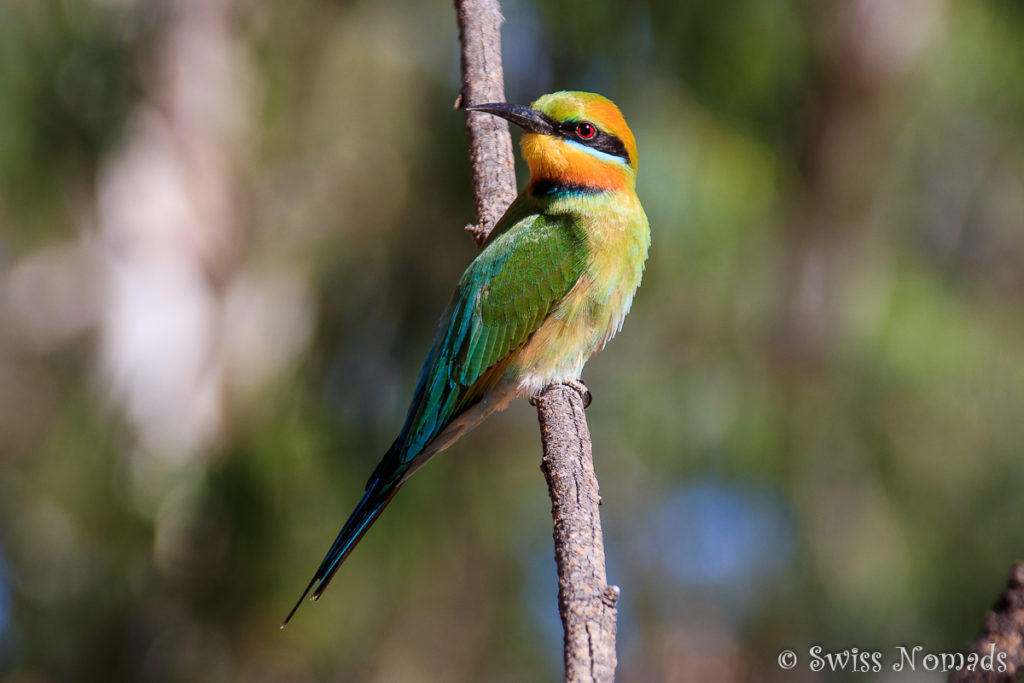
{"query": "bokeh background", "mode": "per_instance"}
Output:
(227, 230)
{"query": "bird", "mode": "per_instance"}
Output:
(551, 286)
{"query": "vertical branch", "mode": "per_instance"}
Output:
(585, 601)
(490, 145)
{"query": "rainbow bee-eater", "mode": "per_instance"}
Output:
(551, 286)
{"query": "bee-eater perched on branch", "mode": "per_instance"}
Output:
(552, 285)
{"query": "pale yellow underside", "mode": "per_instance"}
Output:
(592, 312)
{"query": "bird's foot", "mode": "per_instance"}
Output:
(581, 389)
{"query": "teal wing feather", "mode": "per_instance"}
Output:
(502, 298)
(529, 263)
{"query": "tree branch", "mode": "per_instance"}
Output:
(1003, 631)
(585, 601)
(483, 81)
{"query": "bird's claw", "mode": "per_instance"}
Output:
(582, 390)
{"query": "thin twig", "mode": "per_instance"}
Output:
(1003, 634)
(585, 601)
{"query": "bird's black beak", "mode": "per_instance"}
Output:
(528, 119)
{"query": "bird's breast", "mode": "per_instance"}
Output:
(617, 240)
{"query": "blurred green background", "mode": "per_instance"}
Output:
(227, 230)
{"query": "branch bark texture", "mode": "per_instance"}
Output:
(585, 601)
(483, 81)
(1003, 631)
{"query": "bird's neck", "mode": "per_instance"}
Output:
(548, 188)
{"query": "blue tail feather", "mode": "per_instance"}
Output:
(378, 494)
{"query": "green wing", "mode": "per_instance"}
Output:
(501, 299)
(504, 295)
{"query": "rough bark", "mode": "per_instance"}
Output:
(585, 601)
(483, 81)
(1003, 632)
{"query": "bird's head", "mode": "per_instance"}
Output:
(574, 139)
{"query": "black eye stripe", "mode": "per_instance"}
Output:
(609, 144)
(602, 141)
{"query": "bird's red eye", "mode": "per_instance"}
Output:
(585, 131)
